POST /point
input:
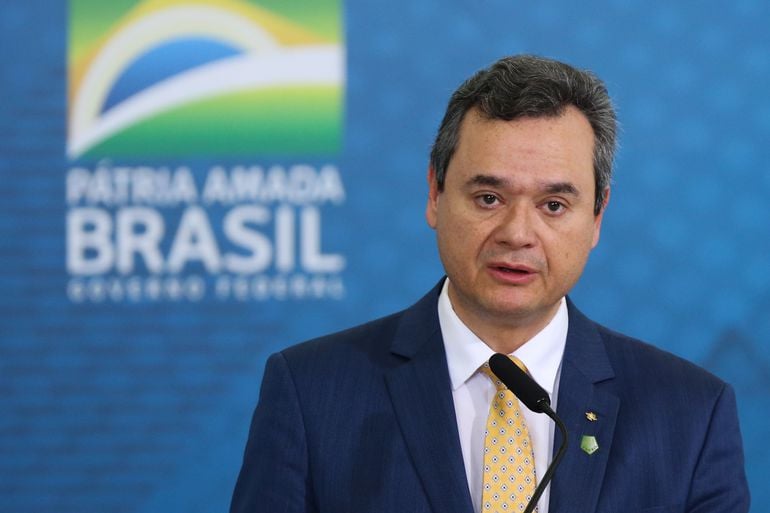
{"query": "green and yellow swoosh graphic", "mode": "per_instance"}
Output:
(202, 77)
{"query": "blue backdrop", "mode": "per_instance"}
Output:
(142, 405)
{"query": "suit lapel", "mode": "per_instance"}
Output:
(578, 481)
(420, 390)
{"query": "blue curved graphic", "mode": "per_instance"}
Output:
(166, 61)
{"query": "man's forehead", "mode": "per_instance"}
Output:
(476, 114)
(511, 182)
(528, 132)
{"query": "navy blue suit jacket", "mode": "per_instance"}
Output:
(363, 421)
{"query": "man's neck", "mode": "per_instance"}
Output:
(503, 333)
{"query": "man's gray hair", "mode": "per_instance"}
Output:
(531, 86)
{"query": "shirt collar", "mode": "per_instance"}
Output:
(466, 352)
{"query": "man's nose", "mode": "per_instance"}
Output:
(517, 227)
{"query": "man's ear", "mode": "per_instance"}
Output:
(599, 217)
(431, 209)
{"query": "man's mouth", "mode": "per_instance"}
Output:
(513, 269)
(512, 274)
(509, 270)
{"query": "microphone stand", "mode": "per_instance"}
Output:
(556, 459)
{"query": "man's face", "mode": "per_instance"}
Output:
(515, 220)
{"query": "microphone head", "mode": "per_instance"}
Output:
(520, 383)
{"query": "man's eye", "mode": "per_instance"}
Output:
(554, 206)
(488, 199)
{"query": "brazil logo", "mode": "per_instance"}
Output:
(179, 78)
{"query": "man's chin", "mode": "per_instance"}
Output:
(519, 310)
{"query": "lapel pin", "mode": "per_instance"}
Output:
(591, 416)
(588, 444)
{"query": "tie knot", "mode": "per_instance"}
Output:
(495, 380)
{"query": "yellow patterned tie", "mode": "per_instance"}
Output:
(509, 464)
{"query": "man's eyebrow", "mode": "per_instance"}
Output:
(488, 180)
(499, 182)
(561, 188)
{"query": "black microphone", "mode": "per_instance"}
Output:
(526, 389)
(536, 399)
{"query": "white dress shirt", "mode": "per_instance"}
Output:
(472, 391)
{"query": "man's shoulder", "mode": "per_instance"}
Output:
(637, 360)
(371, 334)
(374, 343)
(342, 361)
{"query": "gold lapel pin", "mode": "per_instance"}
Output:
(591, 416)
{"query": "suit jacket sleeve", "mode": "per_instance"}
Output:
(719, 483)
(274, 477)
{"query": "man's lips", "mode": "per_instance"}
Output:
(512, 273)
(512, 268)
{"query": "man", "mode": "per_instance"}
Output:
(396, 415)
